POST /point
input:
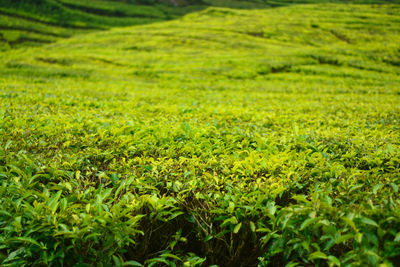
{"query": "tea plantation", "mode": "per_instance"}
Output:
(238, 134)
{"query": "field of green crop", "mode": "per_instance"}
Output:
(262, 136)
(34, 22)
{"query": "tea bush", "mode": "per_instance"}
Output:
(229, 137)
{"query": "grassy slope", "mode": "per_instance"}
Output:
(280, 121)
(31, 23)
(25, 23)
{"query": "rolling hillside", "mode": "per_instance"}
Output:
(200, 135)
(32, 23)
(27, 23)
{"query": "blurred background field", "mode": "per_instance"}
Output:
(36, 22)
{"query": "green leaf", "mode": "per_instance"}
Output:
(8, 144)
(169, 255)
(207, 238)
(68, 186)
(344, 238)
(117, 261)
(14, 254)
(292, 264)
(252, 226)
(376, 188)
(395, 187)
(237, 228)
(317, 255)
(334, 260)
(132, 263)
(114, 178)
(53, 202)
(301, 198)
(5, 213)
(87, 208)
(174, 215)
(397, 238)
(307, 222)
(355, 187)
(25, 240)
(369, 221)
(350, 222)
(231, 220)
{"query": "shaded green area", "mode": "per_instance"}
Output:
(27, 23)
(35, 22)
(236, 137)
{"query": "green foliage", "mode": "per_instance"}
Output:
(228, 137)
